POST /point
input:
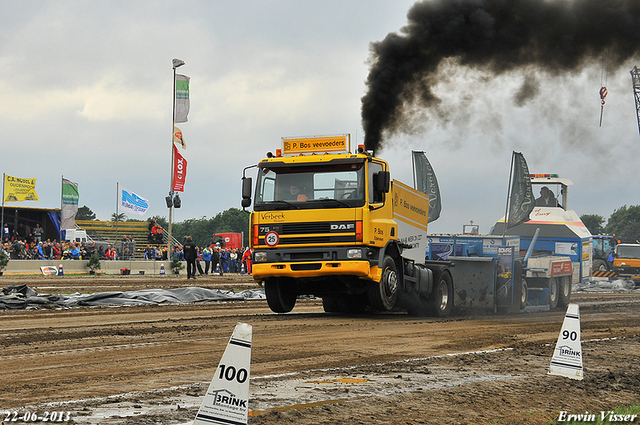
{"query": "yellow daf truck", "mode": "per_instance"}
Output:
(626, 261)
(331, 223)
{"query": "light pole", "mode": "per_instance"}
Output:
(176, 64)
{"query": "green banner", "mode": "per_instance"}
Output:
(70, 194)
(69, 209)
(182, 104)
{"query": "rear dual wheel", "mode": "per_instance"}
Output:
(441, 300)
(524, 295)
(564, 294)
(554, 292)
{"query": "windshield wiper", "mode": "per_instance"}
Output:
(282, 202)
(329, 200)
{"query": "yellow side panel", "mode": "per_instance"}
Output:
(411, 212)
(410, 206)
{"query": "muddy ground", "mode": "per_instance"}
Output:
(151, 364)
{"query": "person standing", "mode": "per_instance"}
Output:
(37, 233)
(224, 257)
(206, 257)
(216, 260)
(190, 253)
(6, 234)
(233, 257)
(246, 258)
(198, 258)
(152, 226)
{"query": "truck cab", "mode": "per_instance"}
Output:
(320, 221)
(626, 261)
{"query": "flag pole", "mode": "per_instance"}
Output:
(115, 243)
(413, 167)
(506, 210)
(61, 213)
(176, 63)
(4, 178)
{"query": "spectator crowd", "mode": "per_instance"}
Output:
(216, 259)
(53, 250)
(25, 243)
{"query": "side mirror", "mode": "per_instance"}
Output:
(247, 182)
(382, 182)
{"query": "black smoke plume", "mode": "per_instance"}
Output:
(493, 36)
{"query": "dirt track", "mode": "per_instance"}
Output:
(151, 364)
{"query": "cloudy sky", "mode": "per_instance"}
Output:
(86, 92)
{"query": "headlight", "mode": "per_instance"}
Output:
(354, 253)
(260, 256)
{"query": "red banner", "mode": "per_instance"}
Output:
(179, 170)
(563, 268)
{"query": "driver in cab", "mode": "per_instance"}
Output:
(295, 194)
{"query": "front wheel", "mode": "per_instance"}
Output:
(441, 300)
(383, 295)
(280, 295)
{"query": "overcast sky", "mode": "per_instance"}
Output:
(86, 92)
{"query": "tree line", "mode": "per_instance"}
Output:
(200, 229)
(624, 223)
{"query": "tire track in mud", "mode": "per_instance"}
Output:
(100, 352)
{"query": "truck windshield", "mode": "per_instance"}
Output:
(629, 251)
(326, 185)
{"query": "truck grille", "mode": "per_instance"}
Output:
(305, 228)
(325, 232)
(627, 271)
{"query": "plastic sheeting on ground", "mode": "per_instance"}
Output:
(21, 297)
(604, 285)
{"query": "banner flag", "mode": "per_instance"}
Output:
(18, 190)
(69, 209)
(522, 199)
(177, 137)
(182, 98)
(129, 201)
(426, 182)
(179, 170)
